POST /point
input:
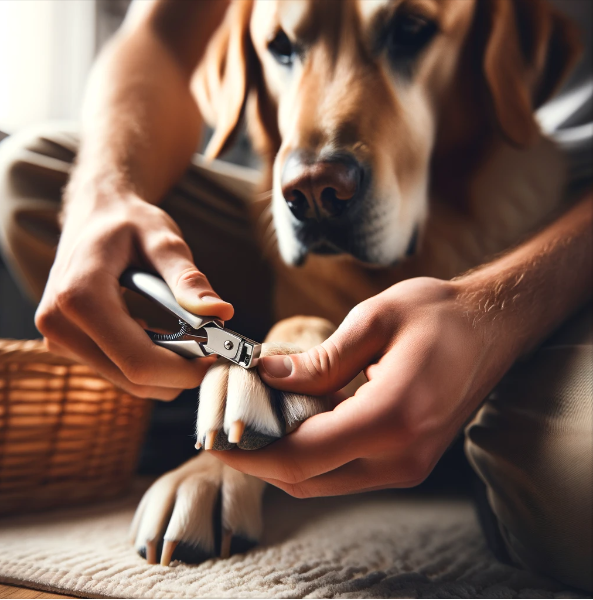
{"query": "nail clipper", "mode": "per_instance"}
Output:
(199, 336)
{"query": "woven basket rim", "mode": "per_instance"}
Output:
(26, 351)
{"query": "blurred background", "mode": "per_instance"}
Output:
(47, 48)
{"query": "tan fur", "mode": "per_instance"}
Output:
(455, 130)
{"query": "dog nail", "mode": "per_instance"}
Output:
(168, 549)
(225, 544)
(151, 553)
(198, 445)
(277, 366)
(210, 439)
(236, 431)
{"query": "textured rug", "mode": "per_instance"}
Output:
(384, 545)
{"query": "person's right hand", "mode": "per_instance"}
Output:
(82, 314)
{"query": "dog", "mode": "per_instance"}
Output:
(400, 140)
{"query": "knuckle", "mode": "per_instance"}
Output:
(135, 370)
(192, 278)
(72, 298)
(416, 469)
(123, 227)
(292, 473)
(145, 392)
(369, 317)
(164, 394)
(47, 320)
(168, 243)
(298, 490)
(321, 359)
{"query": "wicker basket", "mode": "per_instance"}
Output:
(66, 434)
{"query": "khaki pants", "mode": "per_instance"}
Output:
(531, 442)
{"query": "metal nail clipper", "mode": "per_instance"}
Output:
(199, 336)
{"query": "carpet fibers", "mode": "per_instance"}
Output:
(384, 545)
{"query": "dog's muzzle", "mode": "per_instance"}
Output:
(325, 197)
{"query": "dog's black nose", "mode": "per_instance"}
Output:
(320, 189)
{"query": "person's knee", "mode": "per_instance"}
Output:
(34, 167)
(532, 445)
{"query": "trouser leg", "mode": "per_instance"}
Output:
(212, 204)
(532, 446)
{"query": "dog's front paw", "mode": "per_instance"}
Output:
(237, 408)
(201, 510)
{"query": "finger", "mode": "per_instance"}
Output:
(322, 443)
(328, 367)
(369, 423)
(70, 342)
(362, 475)
(172, 258)
(123, 341)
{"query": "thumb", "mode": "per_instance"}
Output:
(189, 285)
(325, 368)
(192, 290)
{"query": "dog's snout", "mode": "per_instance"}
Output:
(322, 188)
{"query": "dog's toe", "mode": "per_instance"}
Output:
(237, 408)
(200, 511)
(250, 403)
(211, 408)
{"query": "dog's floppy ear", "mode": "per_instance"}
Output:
(223, 78)
(530, 49)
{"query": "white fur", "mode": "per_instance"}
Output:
(241, 503)
(230, 393)
(179, 506)
(213, 393)
(250, 400)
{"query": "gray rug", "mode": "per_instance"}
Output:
(384, 545)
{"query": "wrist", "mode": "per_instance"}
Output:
(96, 194)
(487, 302)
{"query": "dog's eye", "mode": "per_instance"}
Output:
(409, 35)
(282, 48)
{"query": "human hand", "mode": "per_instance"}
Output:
(429, 364)
(82, 314)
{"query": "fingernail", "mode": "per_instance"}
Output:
(211, 299)
(277, 366)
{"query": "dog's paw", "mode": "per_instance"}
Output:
(237, 408)
(199, 511)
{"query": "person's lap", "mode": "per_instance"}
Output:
(531, 443)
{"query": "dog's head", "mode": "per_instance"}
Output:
(349, 100)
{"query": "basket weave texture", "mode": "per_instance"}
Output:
(67, 435)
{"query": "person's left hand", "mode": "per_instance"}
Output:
(429, 359)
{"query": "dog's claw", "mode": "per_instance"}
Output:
(236, 432)
(225, 544)
(151, 549)
(210, 439)
(168, 549)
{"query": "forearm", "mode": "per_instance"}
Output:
(523, 296)
(140, 121)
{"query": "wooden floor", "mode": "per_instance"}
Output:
(11, 591)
